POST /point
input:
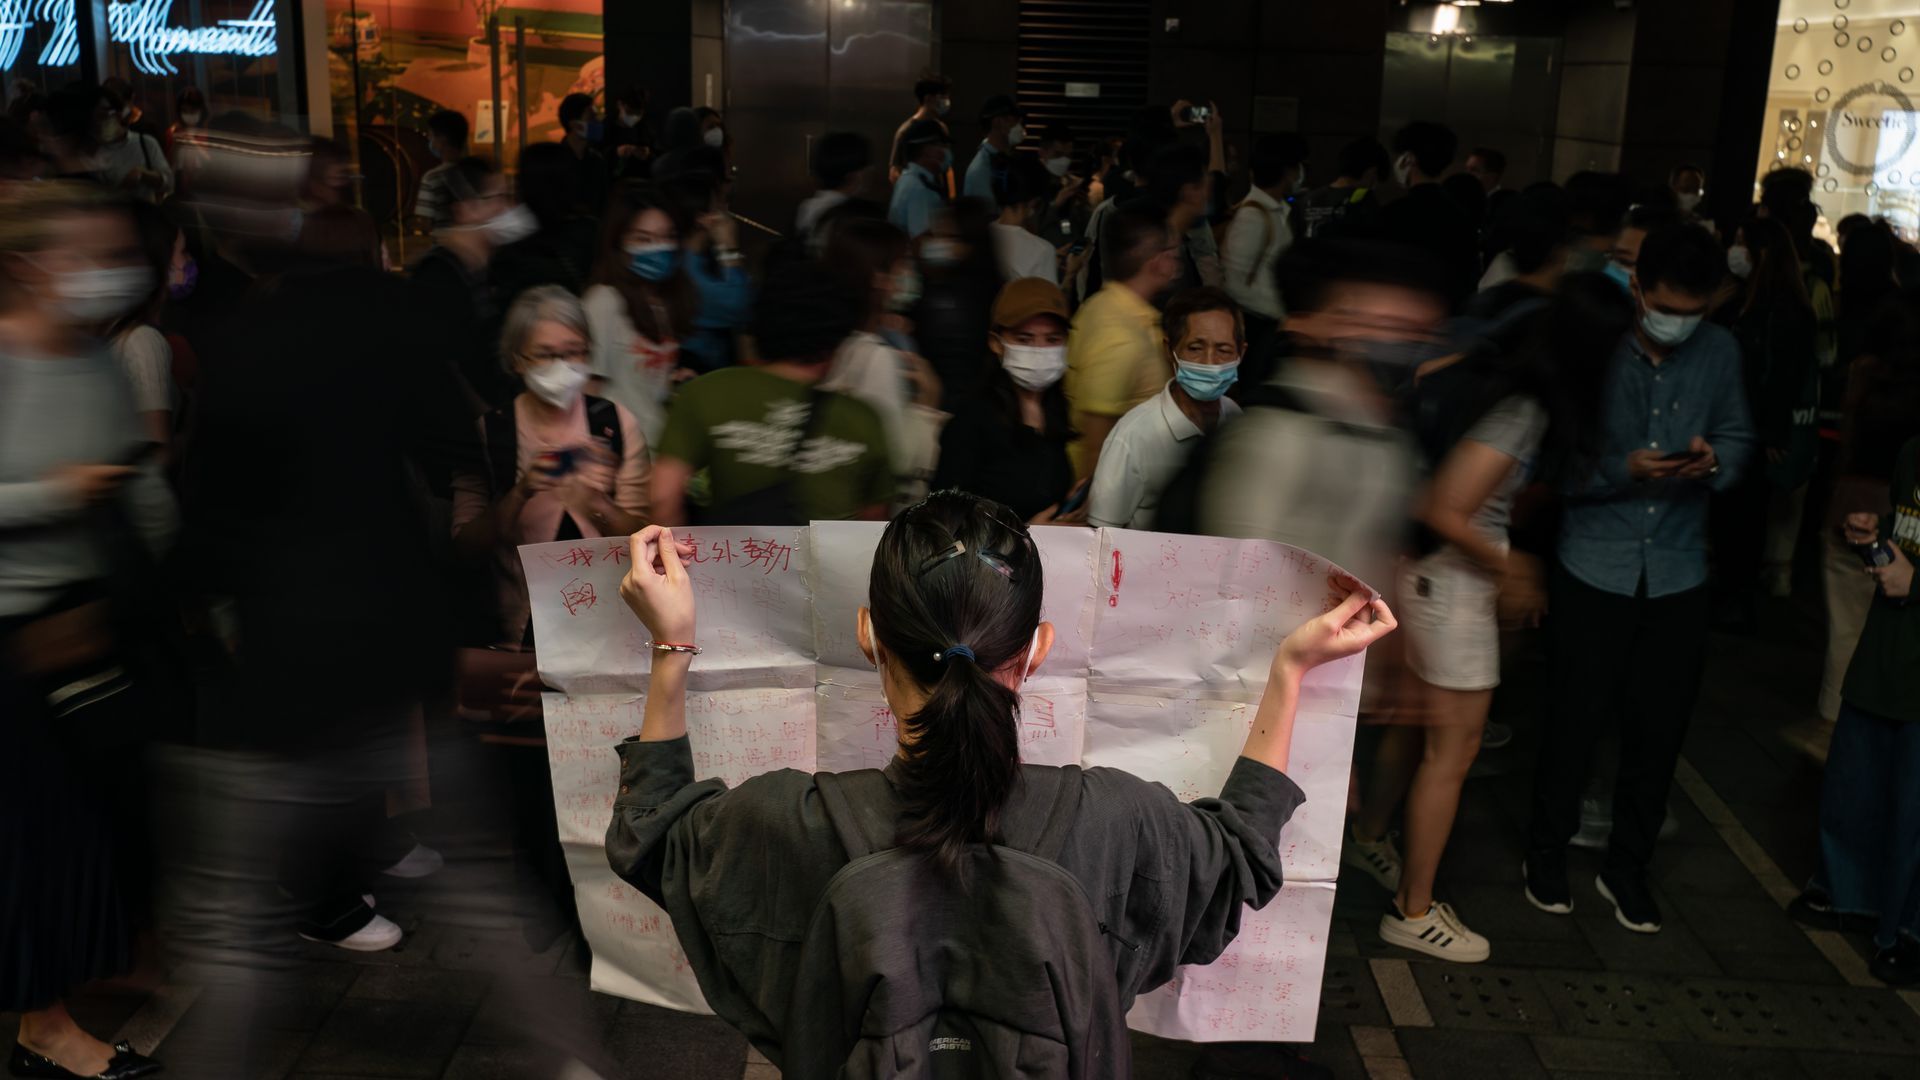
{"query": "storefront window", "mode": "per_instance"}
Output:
(1841, 104)
(391, 64)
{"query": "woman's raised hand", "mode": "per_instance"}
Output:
(657, 588)
(1347, 629)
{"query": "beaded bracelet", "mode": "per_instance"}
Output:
(674, 646)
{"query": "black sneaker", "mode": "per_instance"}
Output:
(1898, 966)
(1813, 909)
(1632, 901)
(1546, 876)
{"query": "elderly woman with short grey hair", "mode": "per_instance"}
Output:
(560, 464)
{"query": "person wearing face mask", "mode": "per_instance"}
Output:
(1151, 443)
(452, 280)
(630, 136)
(641, 302)
(189, 115)
(1117, 356)
(918, 193)
(579, 123)
(960, 277)
(1624, 254)
(872, 261)
(77, 490)
(1426, 217)
(1260, 231)
(562, 464)
(1629, 599)
(1022, 198)
(447, 142)
(130, 160)
(1006, 129)
(933, 97)
(1009, 444)
(1689, 184)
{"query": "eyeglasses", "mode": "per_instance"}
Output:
(571, 356)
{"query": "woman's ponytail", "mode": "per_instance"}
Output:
(955, 596)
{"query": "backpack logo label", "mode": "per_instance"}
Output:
(938, 1045)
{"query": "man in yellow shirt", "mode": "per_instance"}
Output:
(1117, 353)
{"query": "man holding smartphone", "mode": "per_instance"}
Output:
(1630, 607)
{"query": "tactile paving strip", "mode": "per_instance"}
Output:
(1484, 999)
(1348, 996)
(1600, 1005)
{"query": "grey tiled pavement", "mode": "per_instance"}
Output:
(1730, 988)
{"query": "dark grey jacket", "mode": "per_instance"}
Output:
(741, 872)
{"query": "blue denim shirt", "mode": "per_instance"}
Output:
(1618, 532)
(915, 201)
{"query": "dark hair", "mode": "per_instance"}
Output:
(973, 223)
(1532, 226)
(1785, 190)
(1274, 156)
(612, 266)
(838, 156)
(1866, 270)
(1847, 224)
(1059, 132)
(1362, 154)
(468, 177)
(634, 96)
(1025, 181)
(1132, 235)
(1312, 269)
(931, 85)
(1597, 202)
(1775, 281)
(1656, 197)
(1174, 167)
(573, 107)
(157, 233)
(1566, 361)
(1674, 176)
(1649, 218)
(801, 315)
(1432, 145)
(1468, 195)
(1681, 255)
(856, 250)
(956, 570)
(1190, 302)
(189, 97)
(70, 112)
(117, 88)
(549, 182)
(451, 126)
(1494, 160)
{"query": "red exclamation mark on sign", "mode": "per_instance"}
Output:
(1113, 598)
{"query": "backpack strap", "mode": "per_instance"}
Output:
(502, 447)
(862, 807)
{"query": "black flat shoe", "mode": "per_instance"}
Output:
(125, 1065)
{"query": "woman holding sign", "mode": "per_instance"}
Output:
(959, 907)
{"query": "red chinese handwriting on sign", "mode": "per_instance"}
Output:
(717, 551)
(615, 553)
(768, 555)
(578, 596)
(1113, 598)
(578, 556)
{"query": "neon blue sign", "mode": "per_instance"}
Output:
(140, 25)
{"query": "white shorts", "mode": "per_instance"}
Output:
(1448, 614)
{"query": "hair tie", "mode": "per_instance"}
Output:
(953, 651)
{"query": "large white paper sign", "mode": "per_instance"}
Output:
(1162, 647)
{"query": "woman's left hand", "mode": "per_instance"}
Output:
(657, 588)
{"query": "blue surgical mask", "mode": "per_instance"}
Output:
(1621, 276)
(655, 263)
(1205, 382)
(596, 130)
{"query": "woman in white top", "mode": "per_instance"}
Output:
(873, 260)
(1021, 253)
(141, 349)
(640, 304)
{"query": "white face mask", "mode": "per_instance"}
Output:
(192, 119)
(89, 296)
(1034, 367)
(1016, 134)
(1689, 202)
(943, 105)
(557, 382)
(1403, 170)
(514, 224)
(715, 137)
(1739, 261)
(1667, 328)
(1058, 166)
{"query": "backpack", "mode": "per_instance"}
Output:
(503, 439)
(998, 970)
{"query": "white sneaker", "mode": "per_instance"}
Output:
(380, 933)
(418, 863)
(1438, 933)
(1378, 858)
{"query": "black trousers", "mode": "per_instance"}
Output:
(1630, 660)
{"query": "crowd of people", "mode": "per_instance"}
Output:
(239, 449)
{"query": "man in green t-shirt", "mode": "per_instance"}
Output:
(1870, 805)
(777, 450)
